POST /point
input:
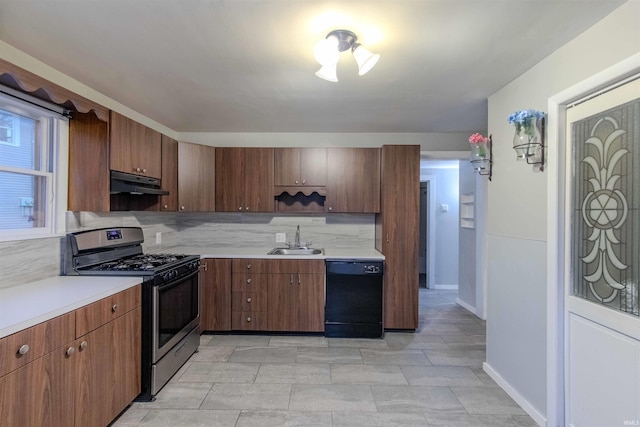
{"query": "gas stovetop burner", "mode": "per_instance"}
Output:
(143, 262)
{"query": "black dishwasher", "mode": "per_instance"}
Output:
(353, 307)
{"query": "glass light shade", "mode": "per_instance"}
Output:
(328, 72)
(326, 51)
(365, 59)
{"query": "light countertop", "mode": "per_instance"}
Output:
(27, 305)
(218, 252)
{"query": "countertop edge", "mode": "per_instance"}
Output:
(24, 294)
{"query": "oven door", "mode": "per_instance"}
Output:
(175, 313)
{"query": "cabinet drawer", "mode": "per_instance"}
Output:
(249, 265)
(249, 301)
(247, 282)
(35, 342)
(92, 316)
(280, 266)
(248, 321)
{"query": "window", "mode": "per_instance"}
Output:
(33, 170)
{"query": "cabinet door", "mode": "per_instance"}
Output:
(282, 302)
(95, 383)
(229, 179)
(40, 393)
(287, 166)
(399, 234)
(88, 164)
(353, 180)
(310, 303)
(258, 180)
(125, 348)
(215, 300)
(121, 129)
(313, 167)
(134, 148)
(196, 177)
(169, 174)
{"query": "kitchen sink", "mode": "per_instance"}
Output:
(295, 251)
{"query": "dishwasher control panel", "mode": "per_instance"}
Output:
(371, 269)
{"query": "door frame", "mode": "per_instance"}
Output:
(431, 232)
(557, 235)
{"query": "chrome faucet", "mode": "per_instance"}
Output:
(296, 243)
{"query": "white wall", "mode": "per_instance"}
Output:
(467, 243)
(445, 226)
(516, 258)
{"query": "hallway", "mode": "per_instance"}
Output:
(432, 377)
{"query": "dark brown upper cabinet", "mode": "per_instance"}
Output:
(353, 180)
(305, 167)
(134, 148)
(169, 174)
(244, 179)
(196, 177)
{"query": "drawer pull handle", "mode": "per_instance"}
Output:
(83, 345)
(248, 319)
(248, 280)
(114, 308)
(24, 349)
(249, 300)
(70, 351)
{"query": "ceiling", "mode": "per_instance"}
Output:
(248, 65)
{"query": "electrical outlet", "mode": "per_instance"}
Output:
(158, 238)
(281, 237)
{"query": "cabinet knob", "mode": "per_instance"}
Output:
(249, 266)
(114, 308)
(83, 345)
(248, 319)
(181, 208)
(70, 351)
(144, 170)
(165, 207)
(304, 181)
(137, 169)
(330, 208)
(240, 208)
(249, 300)
(24, 349)
(247, 208)
(296, 181)
(248, 280)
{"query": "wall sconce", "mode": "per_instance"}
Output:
(481, 154)
(327, 53)
(528, 141)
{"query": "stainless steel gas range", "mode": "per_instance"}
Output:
(170, 301)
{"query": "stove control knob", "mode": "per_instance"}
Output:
(165, 276)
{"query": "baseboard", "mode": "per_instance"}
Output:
(539, 418)
(449, 287)
(466, 306)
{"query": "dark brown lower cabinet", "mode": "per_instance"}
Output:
(215, 294)
(86, 382)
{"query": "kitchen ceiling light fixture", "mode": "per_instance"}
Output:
(327, 53)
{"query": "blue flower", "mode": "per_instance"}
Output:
(522, 116)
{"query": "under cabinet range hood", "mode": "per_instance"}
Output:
(135, 184)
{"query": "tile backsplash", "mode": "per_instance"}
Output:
(24, 261)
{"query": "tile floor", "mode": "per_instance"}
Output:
(432, 377)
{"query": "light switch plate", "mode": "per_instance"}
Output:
(281, 237)
(444, 207)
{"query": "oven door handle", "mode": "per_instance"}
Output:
(177, 281)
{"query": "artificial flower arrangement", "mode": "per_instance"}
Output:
(478, 142)
(525, 118)
(476, 138)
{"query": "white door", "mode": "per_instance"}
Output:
(602, 258)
